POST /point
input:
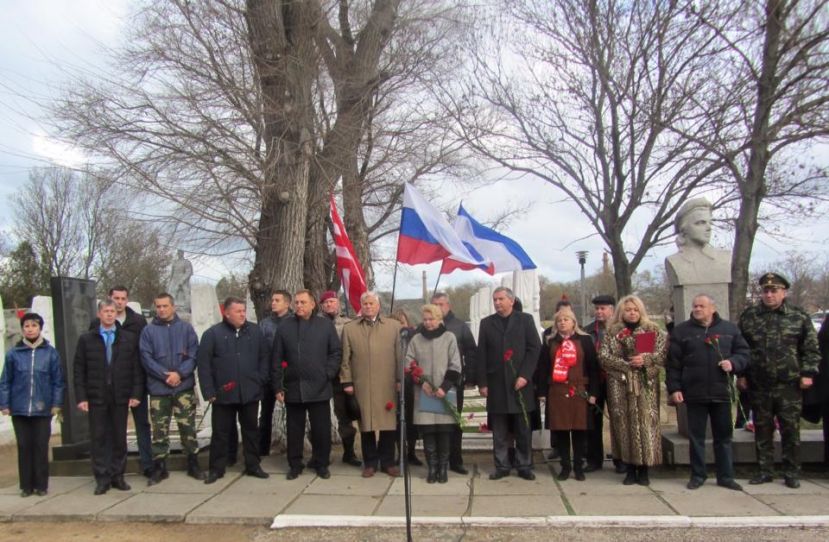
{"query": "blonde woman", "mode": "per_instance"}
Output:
(434, 362)
(632, 354)
(568, 377)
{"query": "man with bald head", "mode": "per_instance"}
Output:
(705, 352)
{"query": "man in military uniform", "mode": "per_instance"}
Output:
(784, 361)
(330, 305)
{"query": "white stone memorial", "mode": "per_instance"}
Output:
(697, 268)
(205, 308)
(42, 305)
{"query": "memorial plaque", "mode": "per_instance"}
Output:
(74, 304)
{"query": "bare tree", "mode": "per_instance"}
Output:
(771, 100)
(581, 94)
(60, 213)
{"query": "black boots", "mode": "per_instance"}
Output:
(630, 477)
(193, 469)
(349, 458)
(159, 472)
(642, 475)
(431, 452)
(444, 443)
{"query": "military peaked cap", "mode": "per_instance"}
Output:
(774, 280)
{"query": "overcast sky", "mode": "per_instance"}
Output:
(38, 37)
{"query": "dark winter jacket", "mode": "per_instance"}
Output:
(270, 324)
(99, 382)
(694, 354)
(544, 370)
(169, 346)
(32, 381)
(233, 364)
(514, 338)
(466, 345)
(311, 349)
(134, 323)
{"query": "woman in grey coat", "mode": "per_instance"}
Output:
(434, 362)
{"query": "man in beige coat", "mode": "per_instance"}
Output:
(371, 371)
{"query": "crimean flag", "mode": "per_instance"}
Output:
(348, 266)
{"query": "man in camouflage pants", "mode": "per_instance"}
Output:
(168, 353)
(784, 361)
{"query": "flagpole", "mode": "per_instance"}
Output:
(440, 274)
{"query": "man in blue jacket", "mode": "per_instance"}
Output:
(306, 358)
(168, 353)
(234, 366)
(704, 354)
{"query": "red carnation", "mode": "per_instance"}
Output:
(508, 355)
(623, 334)
(284, 364)
(483, 428)
(571, 392)
(230, 386)
(389, 405)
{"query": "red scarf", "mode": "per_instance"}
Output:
(565, 358)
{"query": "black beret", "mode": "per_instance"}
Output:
(773, 279)
(604, 299)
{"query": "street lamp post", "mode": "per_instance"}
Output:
(582, 255)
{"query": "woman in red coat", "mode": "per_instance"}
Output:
(568, 378)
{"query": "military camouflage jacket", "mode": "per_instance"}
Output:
(783, 344)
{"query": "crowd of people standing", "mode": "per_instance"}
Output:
(305, 355)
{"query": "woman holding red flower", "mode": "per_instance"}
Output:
(633, 353)
(568, 378)
(434, 363)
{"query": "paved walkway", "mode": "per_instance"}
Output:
(471, 499)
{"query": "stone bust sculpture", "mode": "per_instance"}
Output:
(179, 286)
(697, 262)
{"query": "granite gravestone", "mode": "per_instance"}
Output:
(74, 307)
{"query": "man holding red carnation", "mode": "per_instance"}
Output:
(703, 355)
(306, 358)
(371, 371)
(508, 349)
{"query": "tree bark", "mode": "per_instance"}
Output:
(753, 186)
(280, 36)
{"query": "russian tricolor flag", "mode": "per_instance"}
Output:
(426, 236)
(499, 251)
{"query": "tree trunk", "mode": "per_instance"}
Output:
(318, 264)
(753, 187)
(285, 60)
(621, 270)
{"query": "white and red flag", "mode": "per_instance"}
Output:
(348, 266)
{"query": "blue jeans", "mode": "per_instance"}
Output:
(721, 429)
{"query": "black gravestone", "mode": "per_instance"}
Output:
(74, 306)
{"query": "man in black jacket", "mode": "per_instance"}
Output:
(306, 358)
(134, 323)
(704, 353)
(108, 379)
(468, 350)
(233, 368)
(508, 349)
(280, 309)
(602, 311)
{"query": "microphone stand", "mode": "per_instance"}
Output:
(404, 460)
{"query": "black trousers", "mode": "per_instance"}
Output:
(595, 436)
(268, 403)
(345, 427)
(503, 438)
(824, 412)
(412, 433)
(223, 419)
(378, 450)
(319, 414)
(721, 429)
(108, 432)
(32, 435)
(579, 442)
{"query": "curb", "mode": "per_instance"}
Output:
(643, 522)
